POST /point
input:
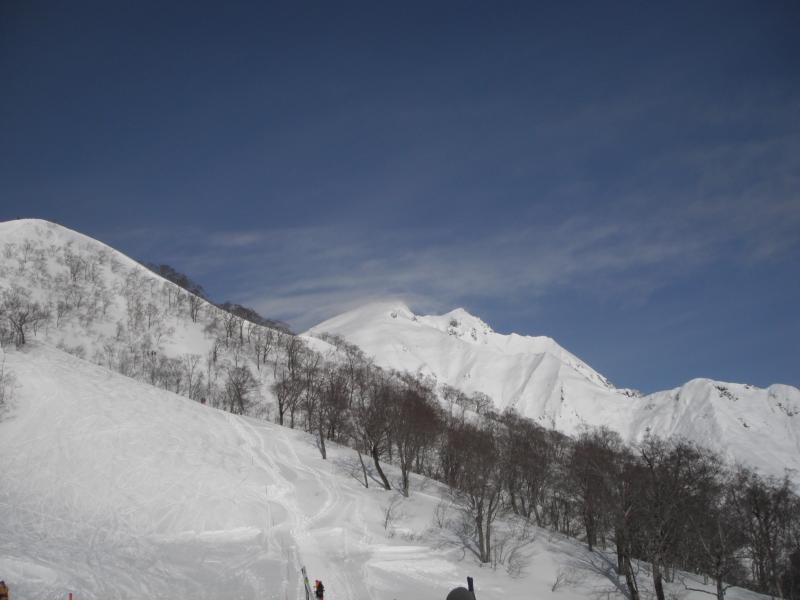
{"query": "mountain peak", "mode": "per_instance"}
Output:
(462, 314)
(459, 323)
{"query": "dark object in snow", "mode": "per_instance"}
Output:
(319, 589)
(305, 582)
(460, 593)
(3, 591)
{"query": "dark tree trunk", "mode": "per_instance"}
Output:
(483, 551)
(363, 469)
(536, 513)
(591, 531)
(322, 449)
(658, 580)
(630, 578)
(720, 588)
(620, 554)
(375, 459)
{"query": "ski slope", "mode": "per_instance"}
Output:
(544, 382)
(115, 489)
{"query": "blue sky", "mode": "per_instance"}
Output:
(621, 176)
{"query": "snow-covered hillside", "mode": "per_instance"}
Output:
(113, 489)
(98, 288)
(111, 310)
(543, 381)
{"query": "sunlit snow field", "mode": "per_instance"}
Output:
(114, 489)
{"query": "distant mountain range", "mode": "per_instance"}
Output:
(541, 380)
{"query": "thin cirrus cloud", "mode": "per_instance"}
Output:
(683, 209)
(304, 275)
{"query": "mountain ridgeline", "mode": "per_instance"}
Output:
(542, 381)
(521, 430)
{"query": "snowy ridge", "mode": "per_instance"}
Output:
(41, 269)
(543, 381)
(113, 311)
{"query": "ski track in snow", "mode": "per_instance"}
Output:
(112, 489)
(313, 529)
(116, 489)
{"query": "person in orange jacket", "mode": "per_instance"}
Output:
(319, 589)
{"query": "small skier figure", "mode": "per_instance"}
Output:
(319, 589)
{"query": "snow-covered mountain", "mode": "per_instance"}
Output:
(111, 310)
(114, 312)
(95, 293)
(114, 489)
(545, 382)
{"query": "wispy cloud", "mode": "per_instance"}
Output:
(305, 275)
(236, 239)
(734, 202)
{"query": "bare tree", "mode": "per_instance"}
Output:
(371, 416)
(477, 484)
(195, 304)
(310, 374)
(193, 374)
(336, 394)
(7, 382)
(672, 479)
(290, 378)
(266, 340)
(414, 424)
(530, 465)
(768, 510)
(239, 387)
(718, 537)
(591, 470)
(287, 390)
(20, 312)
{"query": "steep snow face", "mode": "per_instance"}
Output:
(744, 423)
(114, 489)
(545, 382)
(533, 375)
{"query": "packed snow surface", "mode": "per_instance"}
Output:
(543, 381)
(115, 489)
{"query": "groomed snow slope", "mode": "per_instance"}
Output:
(543, 381)
(114, 489)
